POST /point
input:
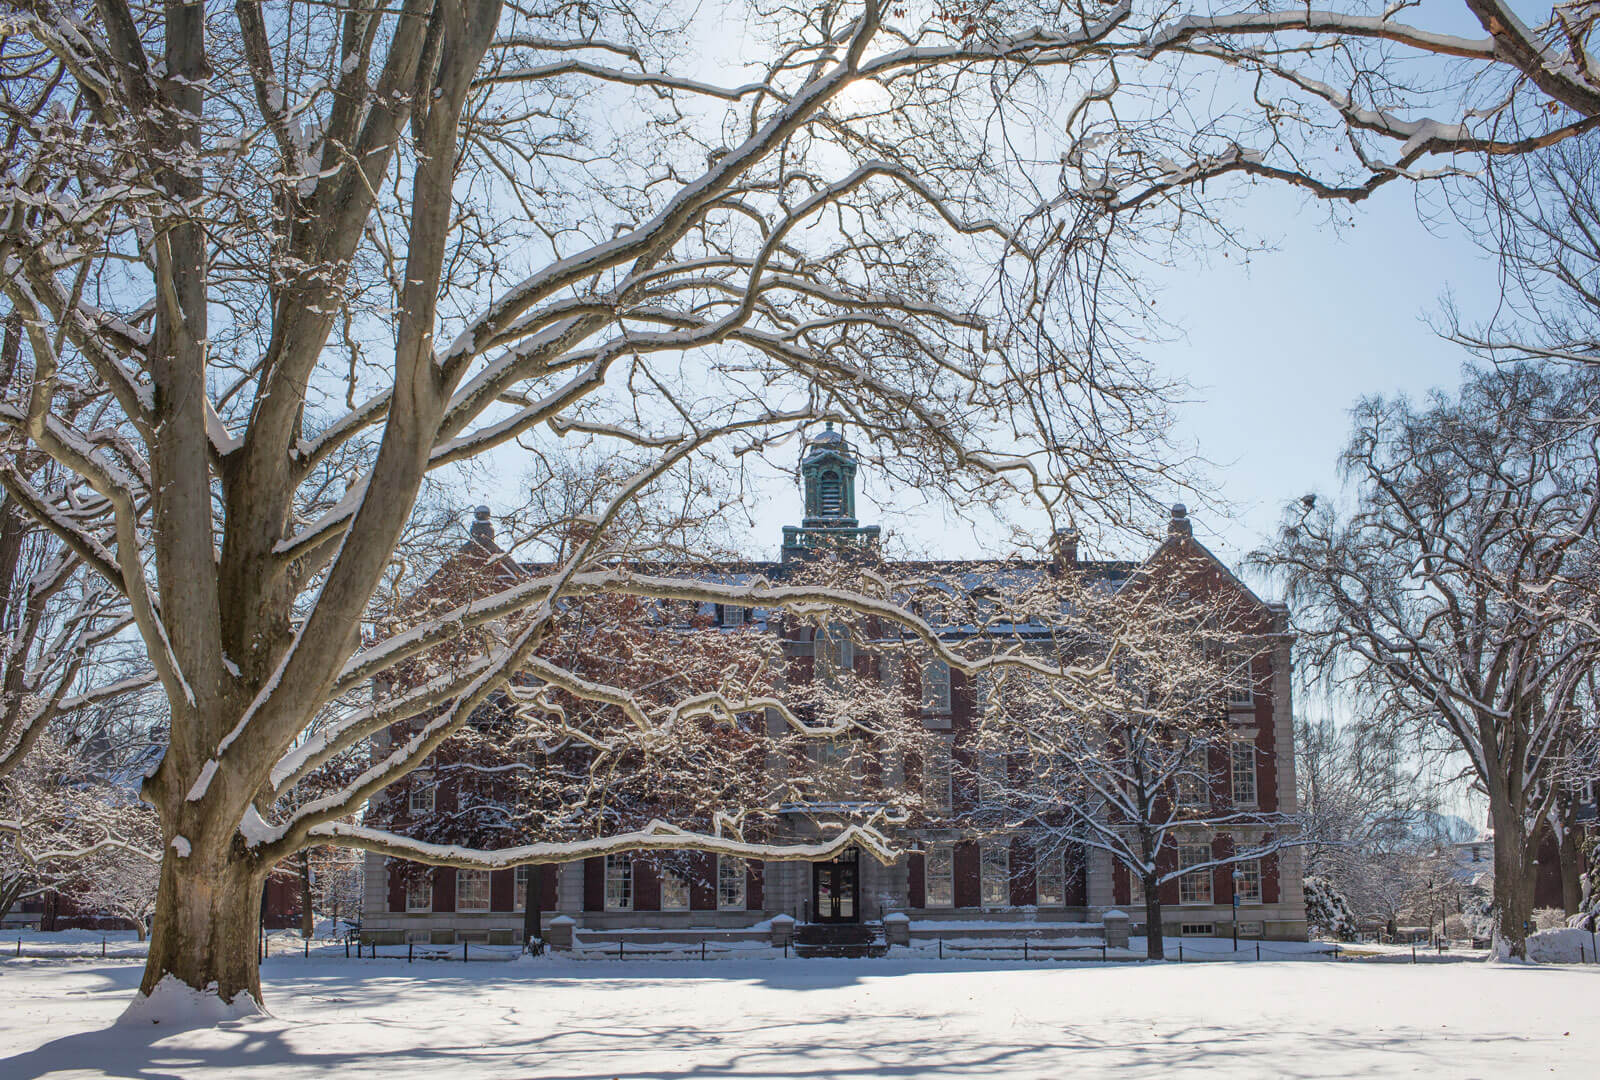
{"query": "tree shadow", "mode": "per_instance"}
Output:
(511, 1032)
(819, 1047)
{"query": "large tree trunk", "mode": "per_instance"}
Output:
(1514, 873)
(1155, 945)
(532, 917)
(1571, 871)
(9, 891)
(206, 921)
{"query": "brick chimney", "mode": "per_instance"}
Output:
(1180, 525)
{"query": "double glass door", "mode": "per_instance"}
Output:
(835, 889)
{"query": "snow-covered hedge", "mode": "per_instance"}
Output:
(1564, 946)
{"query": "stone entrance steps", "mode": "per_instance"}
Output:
(839, 939)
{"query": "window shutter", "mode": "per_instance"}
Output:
(444, 888)
(754, 885)
(594, 883)
(969, 892)
(702, 881)
(917, 880)
(397, 885)
(1222, 876)
(549, 876)
(1077, 879)
(502, 890)
(1024, 885)
(1166, 863)
(646, 885)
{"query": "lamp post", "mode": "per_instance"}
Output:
(1238, 879)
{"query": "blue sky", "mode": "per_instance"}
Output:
(1277, 351)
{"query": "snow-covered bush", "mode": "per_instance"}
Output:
(1328, 914)
(1548, 918)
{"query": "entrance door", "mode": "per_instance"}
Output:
(835, 889)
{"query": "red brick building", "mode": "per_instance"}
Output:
(948, 875)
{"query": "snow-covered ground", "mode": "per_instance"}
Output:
(63, 943)
(771, 1018)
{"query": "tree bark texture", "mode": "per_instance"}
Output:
(208, 914)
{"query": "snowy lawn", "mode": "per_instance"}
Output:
(821, 1018)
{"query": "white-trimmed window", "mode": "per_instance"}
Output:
(936, 688)
(936, 779)
(472, 890)
(995, 874)
(994, 776)
(619, 883)
(422, 794)
(519, 901)
(1244, 773)
(835, 652)
(674, 890)
(939, 877)
(1194, 888)
(1241, 685)
(1193, 781)
(1050, 881)
(733, 615)
(419, 893)
(730, 882)
(1248, 881)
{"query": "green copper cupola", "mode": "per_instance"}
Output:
(828, 475)
(828, 478)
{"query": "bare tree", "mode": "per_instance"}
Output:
(71, 824)
(1142, 765)
(300, 256)
(1362, 800)
(1459, 593)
